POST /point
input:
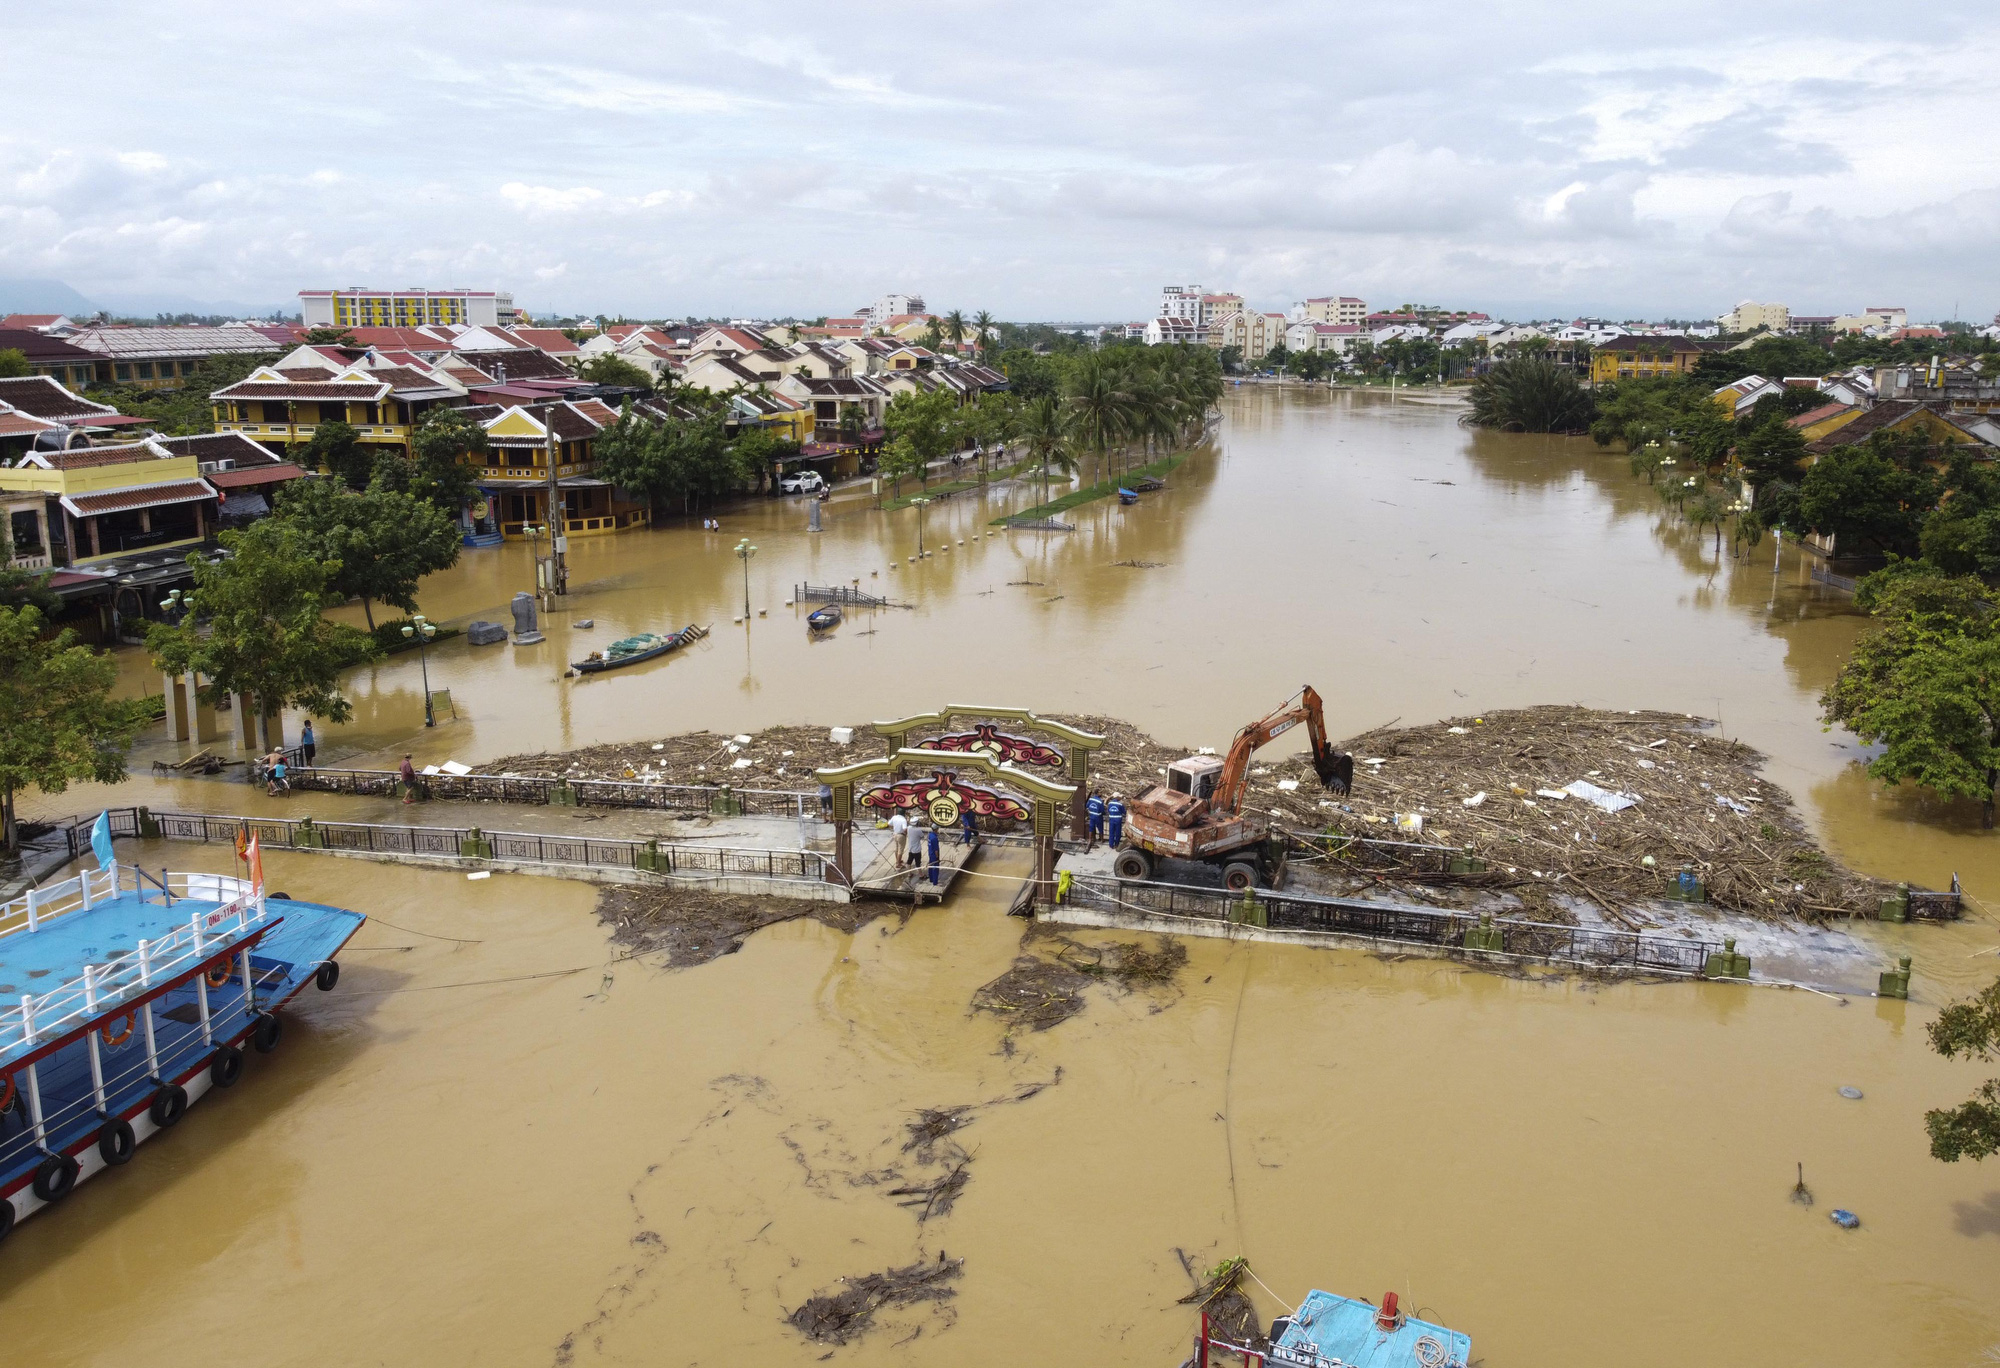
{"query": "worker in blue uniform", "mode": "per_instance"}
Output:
(931, 840)
(1116, 812)
(1094, 810)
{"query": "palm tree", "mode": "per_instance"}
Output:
(1155, 411)
(1099, 406)
(954, 328)
(982, 323)
(1045, 427)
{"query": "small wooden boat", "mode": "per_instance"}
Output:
(1128, 496)
(822, 619)
(1147, 484)
(633, 649)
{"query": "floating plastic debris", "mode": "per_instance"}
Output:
(1843, 1218)
(1851, 1093)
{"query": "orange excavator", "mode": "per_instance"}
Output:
(1198, 813)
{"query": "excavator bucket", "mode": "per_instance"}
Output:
(1335, 769)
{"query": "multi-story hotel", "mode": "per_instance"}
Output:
(360, 308)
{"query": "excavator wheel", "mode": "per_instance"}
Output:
(1237, 876)
(1133, 864)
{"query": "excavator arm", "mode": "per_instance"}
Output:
(1335, 769)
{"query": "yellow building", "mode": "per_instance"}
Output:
(1643, 358)
(363, 308)
(96, 502)
(277, 411)
(514, 482)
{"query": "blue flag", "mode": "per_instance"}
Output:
(100, 840)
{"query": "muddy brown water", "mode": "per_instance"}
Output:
(447, 1162)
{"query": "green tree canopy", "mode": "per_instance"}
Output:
(1925, 685)
(439, 469)
(1970, 1029)
(1862, 494)
(1773, 456)
(383, 541)
(927, 420)
(14, 363)
(611, 369)
(336, 448)
(265, 632)
(58, 721)
(21, 588)
(330, 337)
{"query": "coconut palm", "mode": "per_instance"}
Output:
(1099, 406)
(982, 323)
(954, 328)
(1045, 427)
(1155, 410)
(1531, 396)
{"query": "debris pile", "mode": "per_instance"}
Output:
(839, 1317)
(693, 926)
(775, 758)
(1044, 986)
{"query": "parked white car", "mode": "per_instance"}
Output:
(805, 482)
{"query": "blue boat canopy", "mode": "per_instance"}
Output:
(1329, 1330)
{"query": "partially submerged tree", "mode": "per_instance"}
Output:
(58, 722)
(1530, 395)
(1971, 1130)
(928, 422)
(1926, 684)
(337, 449)
(264, 633)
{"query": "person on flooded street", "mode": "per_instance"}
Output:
(932, 838)
(899, 826)
(408, 772)
(968, 828)
(308, 747)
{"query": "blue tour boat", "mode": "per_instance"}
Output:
(124, 999)
(1331, 1331)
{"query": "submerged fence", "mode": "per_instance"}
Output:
(1401, 923)
(283, 833)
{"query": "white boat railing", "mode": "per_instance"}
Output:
(40, 1016)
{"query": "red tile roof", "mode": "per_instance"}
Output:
(1824, 411)
(271, 389)
(142, 496)
(275, 473)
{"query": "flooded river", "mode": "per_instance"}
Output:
(449, 1161)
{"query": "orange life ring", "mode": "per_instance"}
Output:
(115, 1041)
(6, 1094)
(219, 975)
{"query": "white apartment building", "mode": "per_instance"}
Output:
(1749, 316)
(891, 306)
(1182, 302)
(1175, 330)
(358, 307)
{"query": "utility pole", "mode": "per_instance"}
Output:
(558, 525)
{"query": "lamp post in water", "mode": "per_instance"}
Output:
(422, 631)
(919, 505)
(744, 551)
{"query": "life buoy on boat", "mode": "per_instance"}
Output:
(219, 975)
(114, 1040)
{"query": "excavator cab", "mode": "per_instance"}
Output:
(1195, 776)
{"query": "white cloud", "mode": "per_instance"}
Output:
(542, 199)
(1033, 158)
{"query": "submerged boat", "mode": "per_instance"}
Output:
(633, 649)
(1128, 496)
(132, 998)
(1149, 483)
(820, 619)
(1330, 1331)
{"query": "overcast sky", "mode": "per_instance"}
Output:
(1041, 160)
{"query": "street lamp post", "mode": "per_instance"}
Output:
(744, 551)
(919, 504)
(423, 631)
(171, 606)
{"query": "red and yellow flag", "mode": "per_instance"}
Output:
(254, 857)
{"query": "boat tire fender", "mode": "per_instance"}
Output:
(326, 976)
(266, 1034)
(115, 1142)
(170, 1104)
(55, 1178)
(6, 1217)
(226, 1066)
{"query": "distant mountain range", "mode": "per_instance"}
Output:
(21, 295)
(42, 296)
